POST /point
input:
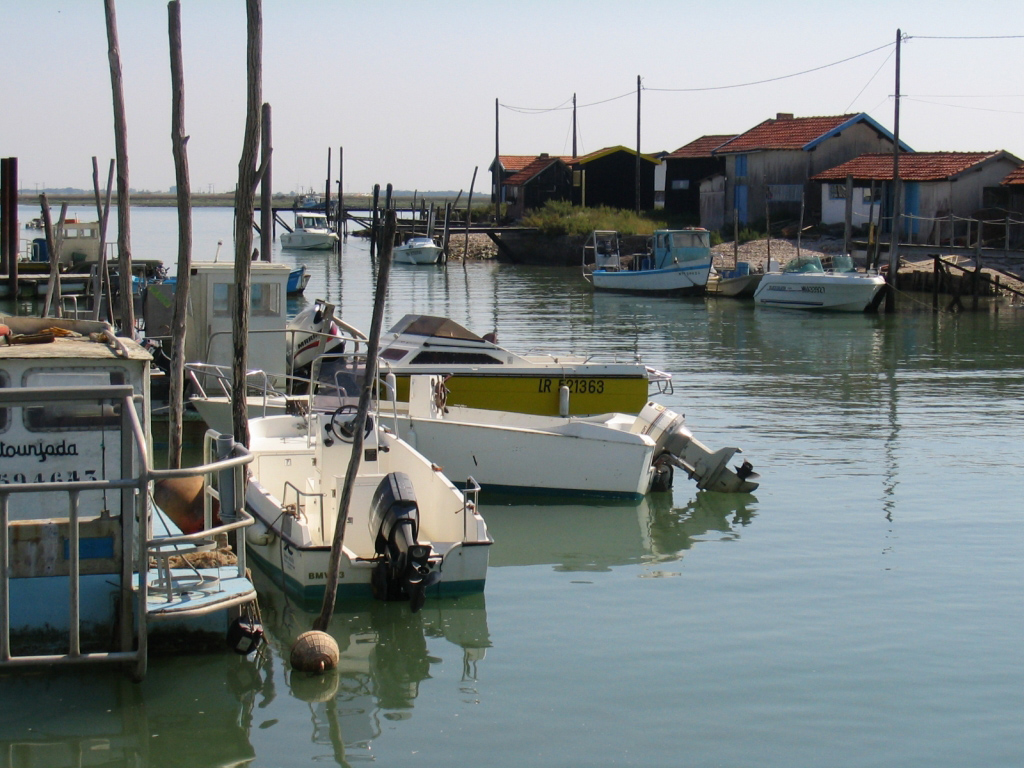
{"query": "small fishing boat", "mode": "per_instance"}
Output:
(311, 233)
(739, 282)
(418, 250)
(298, 279)
(803, 283)
(481, 373)
(408, 532)
(100, 552)
(614, 455)
(677, 262)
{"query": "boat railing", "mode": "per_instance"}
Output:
(299, 506)
(470, 503)
(138, 544)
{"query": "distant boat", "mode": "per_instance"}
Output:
(418, 250)
(311, 233)
(676, 262)
(804, 284)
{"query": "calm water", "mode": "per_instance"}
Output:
(863, 608)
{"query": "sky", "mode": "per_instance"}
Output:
(409, 89)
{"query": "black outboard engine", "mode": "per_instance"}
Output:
(404, 570)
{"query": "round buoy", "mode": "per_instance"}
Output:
(314, 652)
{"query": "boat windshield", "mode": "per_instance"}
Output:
(842, 263)
(804, 264)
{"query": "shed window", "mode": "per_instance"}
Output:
(836, 191)
(741, 166)
(680, 183)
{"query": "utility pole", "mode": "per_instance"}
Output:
(638, 143)
(894, 241)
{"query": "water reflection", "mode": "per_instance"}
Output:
(598, 537)
(385, 657)
(191, 711)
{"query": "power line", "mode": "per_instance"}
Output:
(562, 107)
(774, 79)
(870, 80)
(962, 106)
(963, 37)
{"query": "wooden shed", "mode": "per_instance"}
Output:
(608, 177)
(936, 186)
(546, 178)
(686, 168)
(778, 157)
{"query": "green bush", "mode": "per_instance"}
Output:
(560, 217)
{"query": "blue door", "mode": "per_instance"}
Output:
(741, 203)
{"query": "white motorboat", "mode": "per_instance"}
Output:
(614, 455)
(408, 532)
(100, 550)
(417, 250)
(481, 373)
(310, 233)
(804, 283)
(677, 262)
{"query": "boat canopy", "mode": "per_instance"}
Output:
(433, 327)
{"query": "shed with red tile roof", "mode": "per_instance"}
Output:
(776, 159)
(935, 185)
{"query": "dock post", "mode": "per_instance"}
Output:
(373, 222)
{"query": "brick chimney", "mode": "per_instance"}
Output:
(783, 115)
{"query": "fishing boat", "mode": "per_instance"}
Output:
(100, 553)
(614, 455)
(803, 283)
(408, 530)
(739, 282)
(310, 233)
(676, 262)
(298, 279)
(418, 250)
(481, 374)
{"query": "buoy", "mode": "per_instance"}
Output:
(314, 652)
(182, 499)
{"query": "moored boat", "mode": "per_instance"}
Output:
(739, 282)
(94, 555)
(409, 532)
(677, 262)
(418, 250)
(310, 233)
(803, 283)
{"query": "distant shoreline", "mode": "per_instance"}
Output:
(227, 199)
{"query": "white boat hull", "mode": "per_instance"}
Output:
(295, 491)
(691, 278)
(836, 292)
(419, 254)
(309, 241)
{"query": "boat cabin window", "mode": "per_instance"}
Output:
(264, 299)
(690, 239)
(73, 415)
(448, 357)
(804, 264)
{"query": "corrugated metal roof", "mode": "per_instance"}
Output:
(787, 133)
(914, 166)
(702, 147)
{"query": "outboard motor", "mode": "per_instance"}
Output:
(306, 339)
(404, 570)
(676, 446)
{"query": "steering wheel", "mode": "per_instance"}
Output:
(344, 428)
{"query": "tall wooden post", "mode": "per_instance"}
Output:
(342, 224)
(574, 125)
(638, 143)
(184, 195)
(496, 176)
(124, 239)
(244, 194)
(9, 263)
(101, 284)
(327, 189)
(897, 203)
(469, 215)
(266, 188)
(374, 234)
(848, 216)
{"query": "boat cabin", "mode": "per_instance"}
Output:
(309, 221)
(674, 246)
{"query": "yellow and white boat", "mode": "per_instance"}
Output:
(481, 374)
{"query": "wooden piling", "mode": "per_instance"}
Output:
(124, 240)
(374, 234)
(266, 188)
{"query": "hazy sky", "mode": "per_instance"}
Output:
(409, 88)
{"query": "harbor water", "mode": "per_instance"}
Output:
(862, 608)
